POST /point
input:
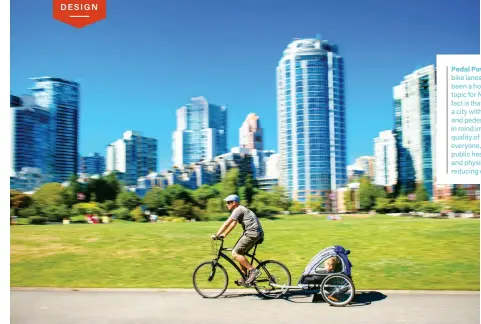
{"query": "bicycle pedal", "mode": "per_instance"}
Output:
(238, 283)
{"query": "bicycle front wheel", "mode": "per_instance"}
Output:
(272, 272)
(210, 281)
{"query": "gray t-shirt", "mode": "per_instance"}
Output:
(247, 218)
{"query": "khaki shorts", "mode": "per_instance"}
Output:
(246, 242)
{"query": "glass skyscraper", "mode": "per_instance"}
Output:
(30, 136)
(311, 119)
(201, 132)
(415, 117)
(94, 163)
(61, 98)
(134, 155)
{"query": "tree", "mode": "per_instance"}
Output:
(176, 192)
(180, 208)
(367, 194)
(297, 207)
(251, 186)
(114, 186)
(73, 189)
(19, 200)
(128, 199)
(229, 184)
(280, 198)
(204, 193)
(28, 211)
(108, 205)
(263, 205)
(315, 203)
(99, 190)
(56, 213)
(421, 193)
(348, 202)
(215, 205)
(154, 199)
(379, 191)
(49, 194)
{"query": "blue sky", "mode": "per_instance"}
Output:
(147, 58)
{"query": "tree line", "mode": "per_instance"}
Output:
(107, 196)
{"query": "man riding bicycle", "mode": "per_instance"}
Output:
(252, 234)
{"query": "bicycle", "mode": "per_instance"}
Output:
(267, 284)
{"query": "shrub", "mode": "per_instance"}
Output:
(23, 221)
(172, 219)
(79, 219)
(137, 215)
(297, 207)
(121, 213)
(430, 207)
(37, 220)
(108, 205)
(27, 212)
(56, 213)
(87, 208)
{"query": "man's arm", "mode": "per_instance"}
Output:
(230, 228)
(224, 226)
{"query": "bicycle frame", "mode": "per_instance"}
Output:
(220, 254)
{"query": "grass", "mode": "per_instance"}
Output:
(386, 252)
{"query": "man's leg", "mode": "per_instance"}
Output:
(244, 244)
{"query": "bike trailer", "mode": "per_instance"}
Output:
(315, 271)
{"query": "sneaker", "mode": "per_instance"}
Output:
(253, 275)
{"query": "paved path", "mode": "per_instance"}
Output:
(180, 306)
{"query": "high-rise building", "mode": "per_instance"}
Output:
(367, 163)
(250, 133)
(30, 136)
(61, 98)
(272, 166)
(311, 119)
(15, 101)
(386, 159)
(134, 155)
(415, 118)
(201, 132)
(355, 172)
(94, 163)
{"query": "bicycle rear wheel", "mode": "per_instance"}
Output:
(272, 272)
(338, 289)
(210, 281)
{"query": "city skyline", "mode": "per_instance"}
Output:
(145, 92)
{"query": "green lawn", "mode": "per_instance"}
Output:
(387, 252)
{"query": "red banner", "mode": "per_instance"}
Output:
(79, 13)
